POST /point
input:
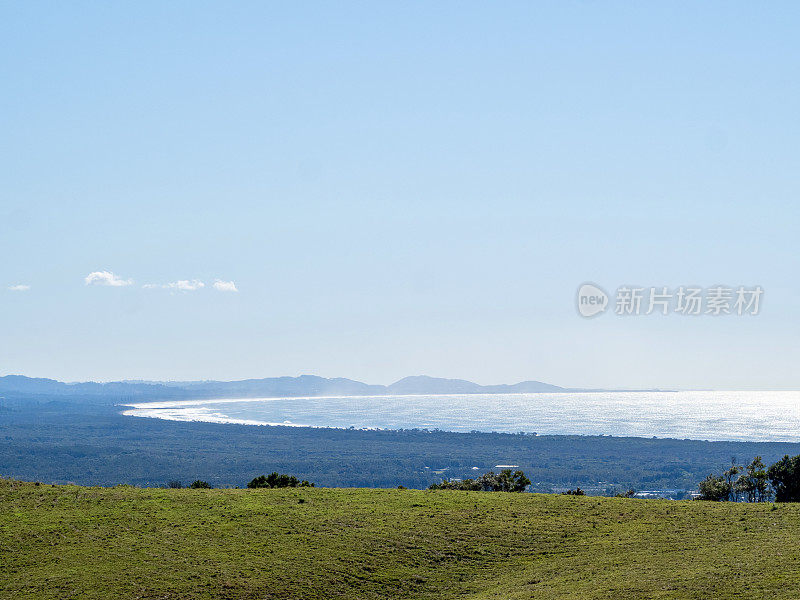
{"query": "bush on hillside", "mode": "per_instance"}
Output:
(784, 476)
(276, 480)
(752, 483)
(504, 481)
(714, 488)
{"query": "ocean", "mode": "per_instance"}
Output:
(700, 415)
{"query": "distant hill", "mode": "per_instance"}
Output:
(305, 385)
(50, 387)
(422, 384)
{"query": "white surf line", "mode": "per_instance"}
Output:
(188, 416)
(224, 419)
(203, 401)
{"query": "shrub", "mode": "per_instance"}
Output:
(753, 482)
(504, 481)
(784, 476)
(715, 488)
(276, 480)
(200, 485)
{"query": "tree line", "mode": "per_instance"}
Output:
(273, 480)
(755, 482)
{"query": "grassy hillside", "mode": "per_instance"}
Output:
(77, 542)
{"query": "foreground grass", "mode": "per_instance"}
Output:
(77, 542)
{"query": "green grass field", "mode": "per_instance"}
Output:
(77, 542)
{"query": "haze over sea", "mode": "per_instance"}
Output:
(702, 415)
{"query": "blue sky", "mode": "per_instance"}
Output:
(397, 189)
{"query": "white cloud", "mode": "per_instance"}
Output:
(183, 285)
(19, 287)
(225, 286)
(106, 278)
(186, 285)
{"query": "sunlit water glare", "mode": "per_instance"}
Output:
(761, 416)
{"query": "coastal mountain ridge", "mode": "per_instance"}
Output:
(304, 385)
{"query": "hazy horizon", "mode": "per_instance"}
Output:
(566, 386)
